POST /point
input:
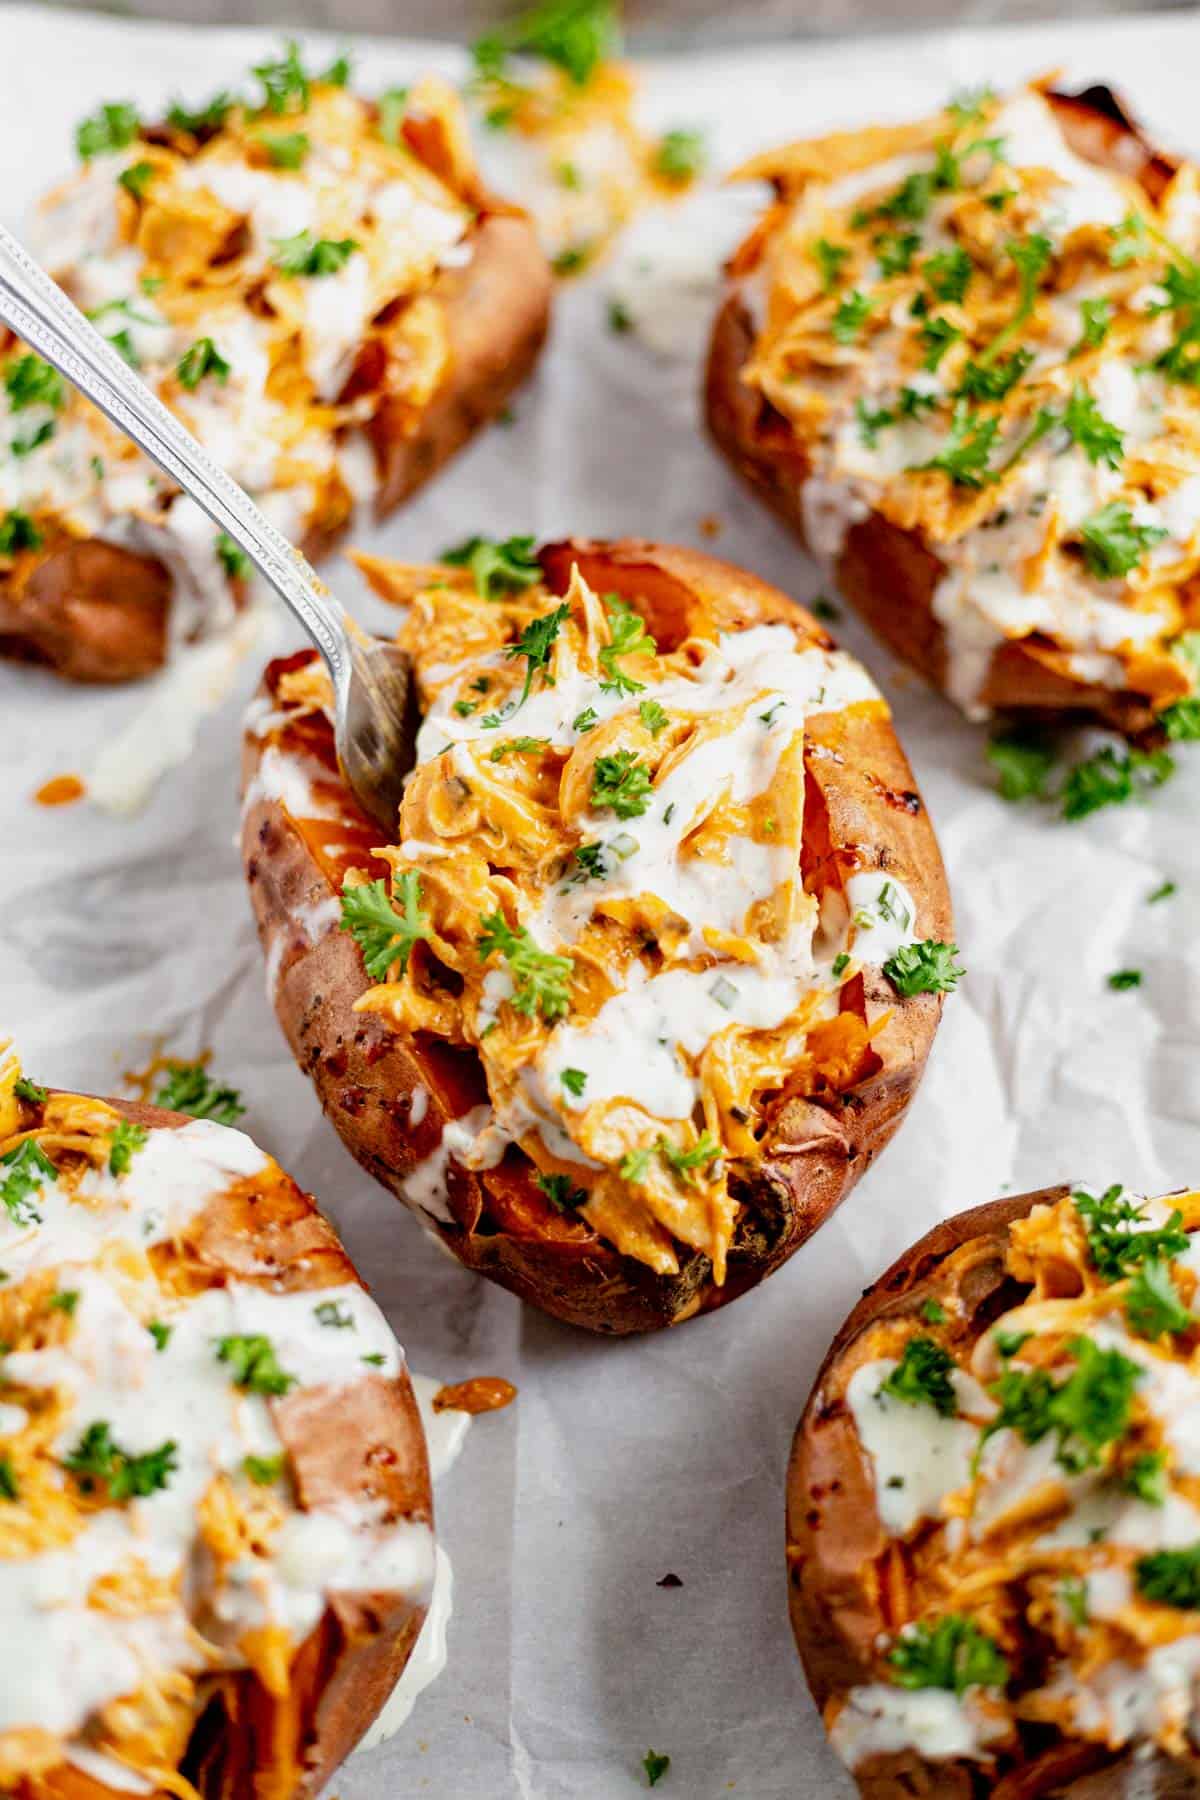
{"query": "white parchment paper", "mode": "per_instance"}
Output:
(621, 1461)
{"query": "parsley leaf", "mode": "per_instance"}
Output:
(384, 935)
(202, 359)
(703, 1153)
(541, 980)
(1152, 1304)
(1087, 1411)
(1170, 1577)
(498, 567)
(189, 1088)
(992, 381)
(29, 1091)
(305, 254)
(621, 784)
(127, 1139)
(561, 1193)
(1113, 544)
(871, 421)
(680, 155)
(925, 968)
(334, 1315)
(949, 274)
(574, 1080)
(393, 104)
(1023, 764)
(287, 151)
(922, 1377)
(18, 532)
(251, 1357)
(829, 259)
(535, 644)
(233, 558)
(28, 381)
(851, 315)
(112, 127)
(653, 716)
(964, 457)
(575, 35)
(265, 1470)
(655, 1766)
(23, 1173)
(1110, 778)
(1122, 979)
(96, 1458)
(9, 1489)
(635, 1164)
(894, 251)
(1095, 322)
(1113, 1246)
(953, 1654)
(516, 746)
(1099, 439)
(203, 120)
(629, 637)
(285, 82)
(1146, 1476)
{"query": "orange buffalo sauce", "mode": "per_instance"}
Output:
(482, 1393)
(60, 790)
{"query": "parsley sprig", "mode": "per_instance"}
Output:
(189, 1088)
(922, 1377)
(535, 644)
(951, 1653)
(629, 637)
(575, 35)
(498, 566)
(924, 968)
(541, 979)
(96, 1458)
(384, 935)
(24, 1172)
(312, 256)
(1086, 1412)
(253, 1362)
(621, 784)
(1115, 1245)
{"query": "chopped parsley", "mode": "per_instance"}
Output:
(251, 1358)
(96, 1458)
(1099, 439)
(25, 446)
(953, 1654)
(621, 784)
(575, 35)
(189, 1088)
(28, 381)
(851, 315)
(587, 720)
(1023, 763)
(203, 119)
(925, 968)
(1170, 1577)
(872, 420)
(285, 82)
(393, 104)
(933, 1312)
(964, 456)
(305, 254)
(384, 935)
(516, 746)
(126, 1140)
(9, 1490)
(653, 716)
(703, 1153)
(18, 532)
(232, 557)
(1031, 256)
(937, 335)
(680, 155)
(541, 980)
(23, 1173)
(29, 1091)
(1163, 891)
(112, 127)
(1095, 321)
(635, 1165)
(590, 860)
(922, 1377)
(535, 644)
(1111, 777)
(64, 1301)
(136, 179)
(1130, 241)
(1113, 543)
(1087, 1411)
(620, 319)
(561, 1192)
(265, 1470)
(995, 380)
(498, 566)
(1114, 1245)
(1009, 1342)
(894, 251)
(829, 259)
(949, 274)
(1072, 1594)
(1146, 1477)
(287, 151)
(628, 637)
(334, 1315)
(656, 1766)
(1121, 980)
(574, 1080)
(160, 1333)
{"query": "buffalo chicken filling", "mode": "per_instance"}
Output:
(1039, 1489)
(597, 888)
(993, 343)
(152, 1542)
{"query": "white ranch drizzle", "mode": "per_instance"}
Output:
(878, 1720)
(111, 1369)
(918, 1457)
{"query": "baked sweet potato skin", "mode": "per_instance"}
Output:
(834, 1537)
(889, 575)
(95, 612)
(363, 1445)
(863, 811)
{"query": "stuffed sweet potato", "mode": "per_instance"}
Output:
(958, 357)
(993, 1535)
(652, 970)
(323, 290)
(216, 1544)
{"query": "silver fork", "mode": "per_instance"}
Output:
(372, 681)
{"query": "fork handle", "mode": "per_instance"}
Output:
(36, 308)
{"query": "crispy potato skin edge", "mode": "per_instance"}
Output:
(365, 1074)
(889, 575)
(97, 613)
(834, 1611)
(347, 1667)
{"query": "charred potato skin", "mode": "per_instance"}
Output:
(835, 1599)
(889, 574)
(370, 1444)
(365, 1073)
(95, 612)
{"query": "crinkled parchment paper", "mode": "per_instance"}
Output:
(621, 1462)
